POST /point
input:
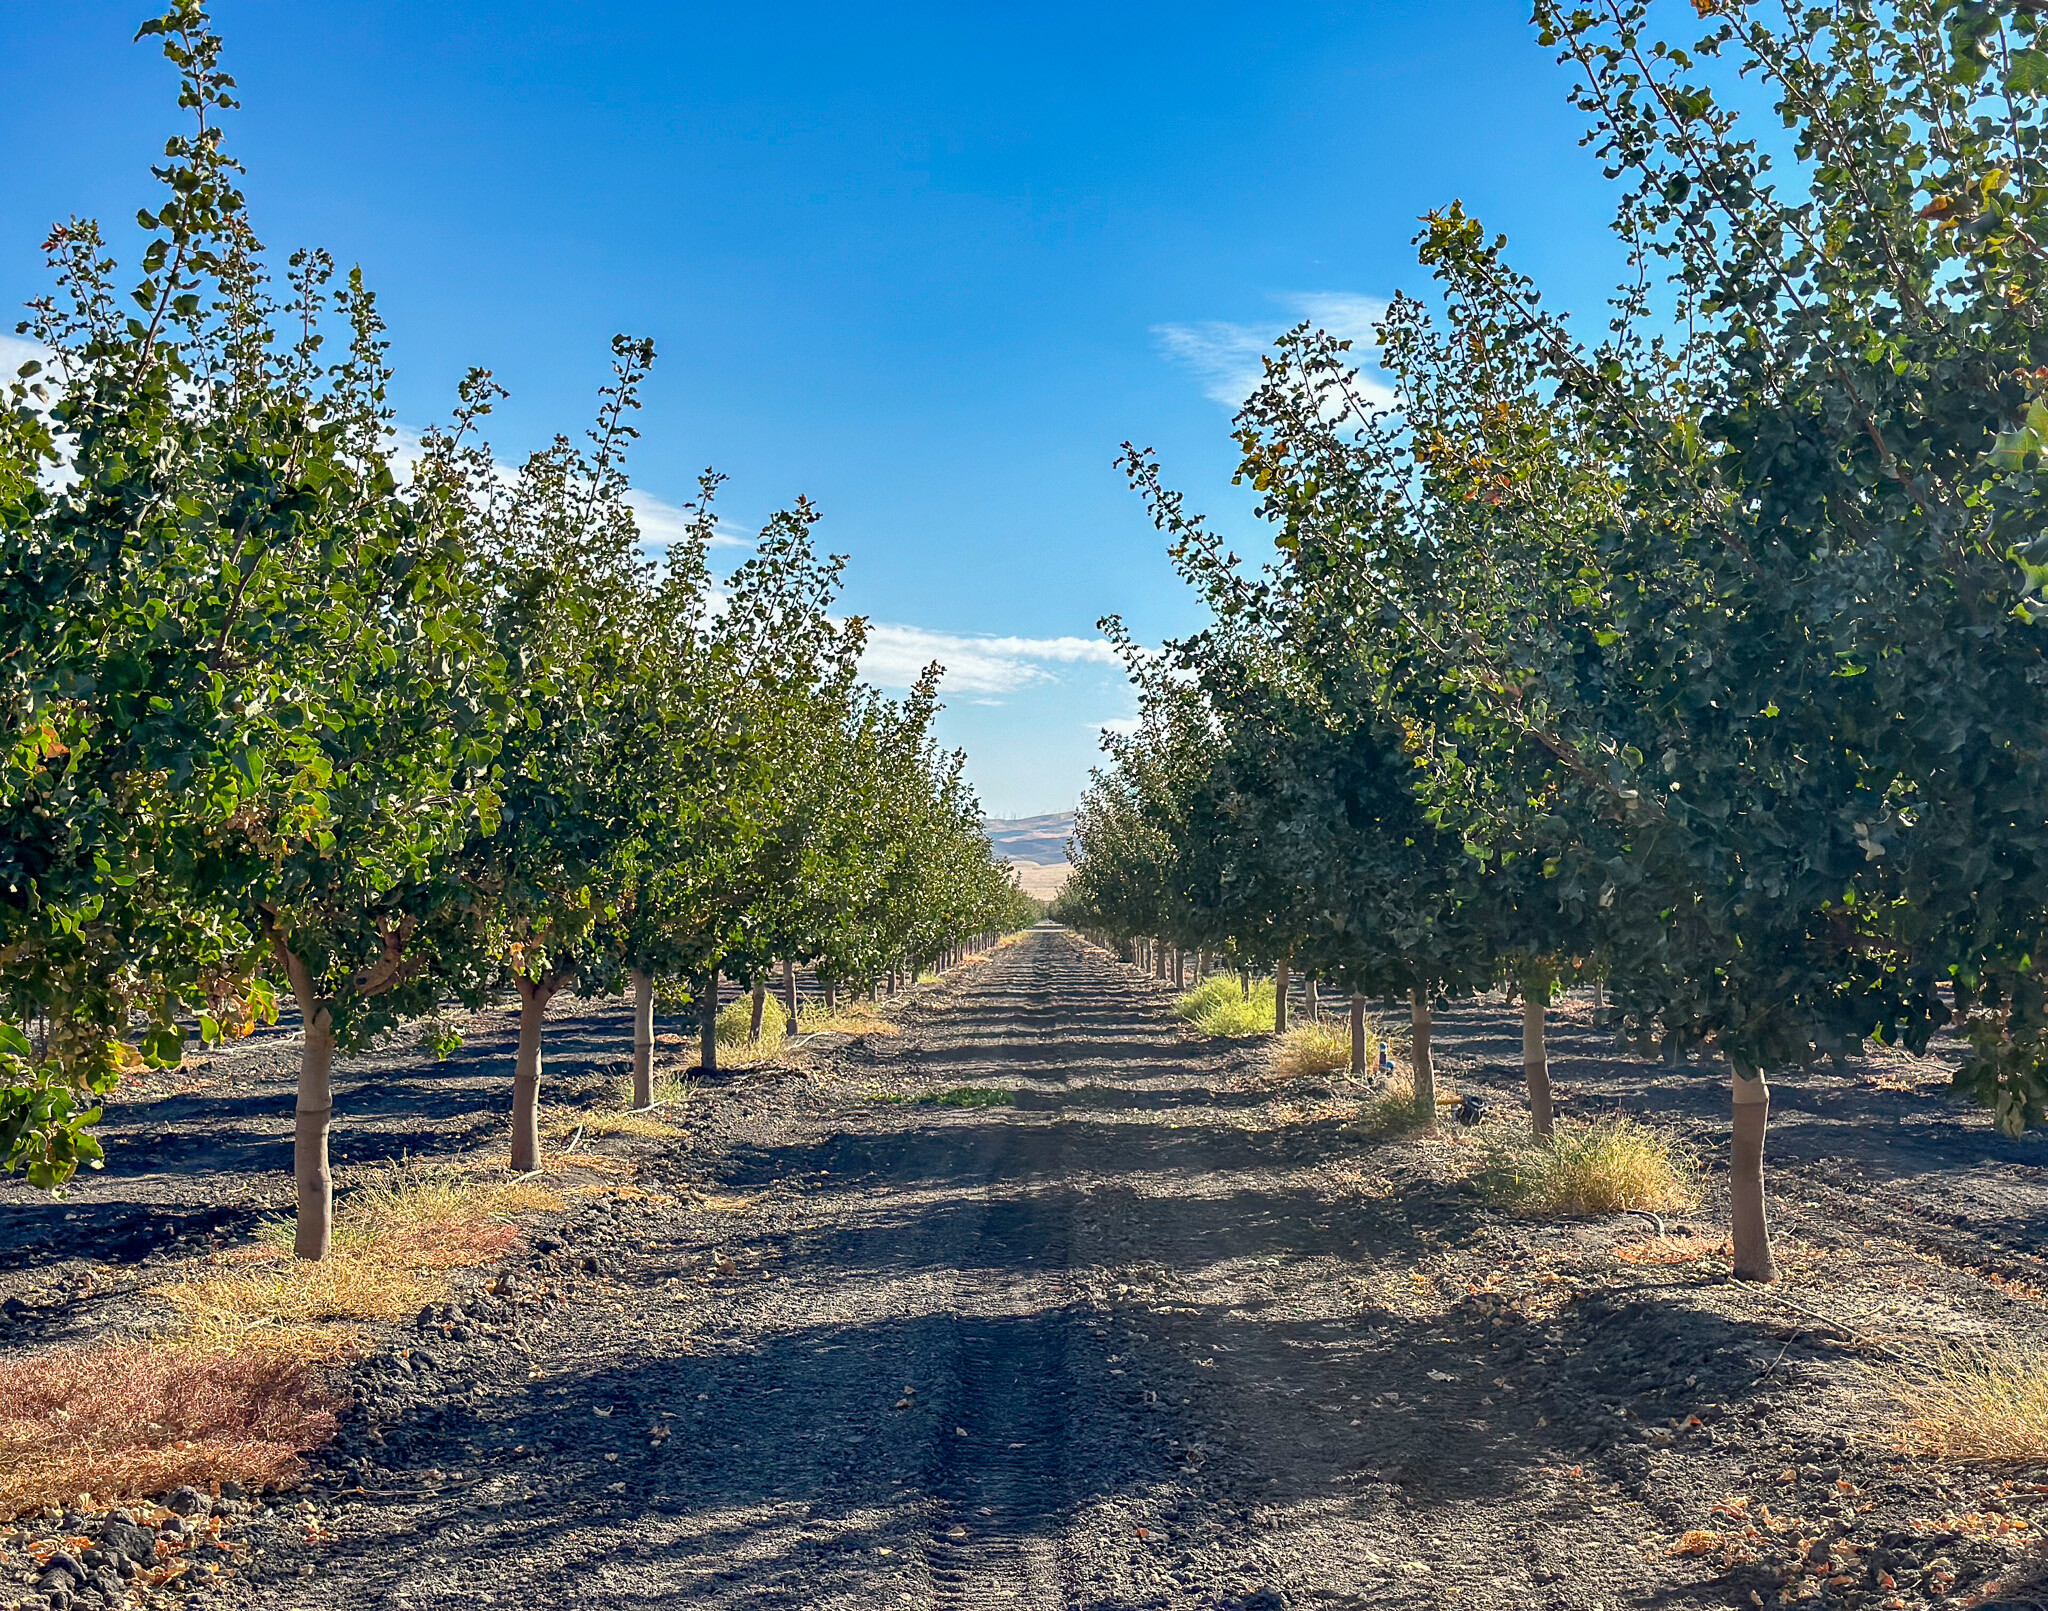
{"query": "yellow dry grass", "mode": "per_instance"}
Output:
(1607, 1166)
(657, 1122)
(235, 1389)
(1986, 1404)
(392, 1242)
(645, 1124)
(290, 1303)
(668, 1090)
(440, 1218)
(1320, 1046)
(1394, 1110)
(737, 1045)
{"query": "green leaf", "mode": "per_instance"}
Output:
(2028, 73)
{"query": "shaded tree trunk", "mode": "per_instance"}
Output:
(311, 1124)
(643, 1039)
(789, 992)
(313, 1115)
(1420, 1065)
(707, 1026)
(760, 1007)
(533, 1004)
(1279, 998)
(1357, 1033)
(1749, 1229)
(1536, 1063)
(1310, 1001)
(831, 997)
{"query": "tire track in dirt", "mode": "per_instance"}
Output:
(1156, 1332)
(998, 1482)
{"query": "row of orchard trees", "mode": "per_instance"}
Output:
(285, 713)
(1707, 654)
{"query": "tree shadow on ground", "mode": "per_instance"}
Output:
(787, 1473)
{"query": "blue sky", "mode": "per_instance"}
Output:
(929, 265)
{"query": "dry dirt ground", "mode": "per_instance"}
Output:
(1149, 1329)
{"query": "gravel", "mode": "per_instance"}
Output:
(1161, 1331)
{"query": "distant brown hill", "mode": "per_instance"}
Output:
(1040, 881)
(1041, 840)
(1036, 847)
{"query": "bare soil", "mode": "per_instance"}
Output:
(1124, 1322)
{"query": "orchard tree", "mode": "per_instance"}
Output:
(589, 758)
(263, 640)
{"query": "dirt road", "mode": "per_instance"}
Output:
(1111, 1320)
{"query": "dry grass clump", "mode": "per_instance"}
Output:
(290, 1304)
(645, 1123)
(1605, 1167)
(124, 1420)
(438, 1219)
(1319, 1046)
(1980, 1405)
(1394, 1110)
(737, 1043)
(392, 1240)
(236, 1393)
(656, 1122)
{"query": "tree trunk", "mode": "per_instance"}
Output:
(1421, 1068)
(1357, 1033)
(1180, 969)
(1310, 1002)
(789, 992)
(310, 1128)
(643, 1039)
(533, 1004)
(1599, 994)
(1750, 1231)
(1279, 998)
(831, 998)
(1536, 1064)
(707, 1026)
(760, 1007)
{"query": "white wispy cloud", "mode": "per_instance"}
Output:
(1125, 725)
(1224, 357)
(18, 350)
(662, 523)
(896, 654)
